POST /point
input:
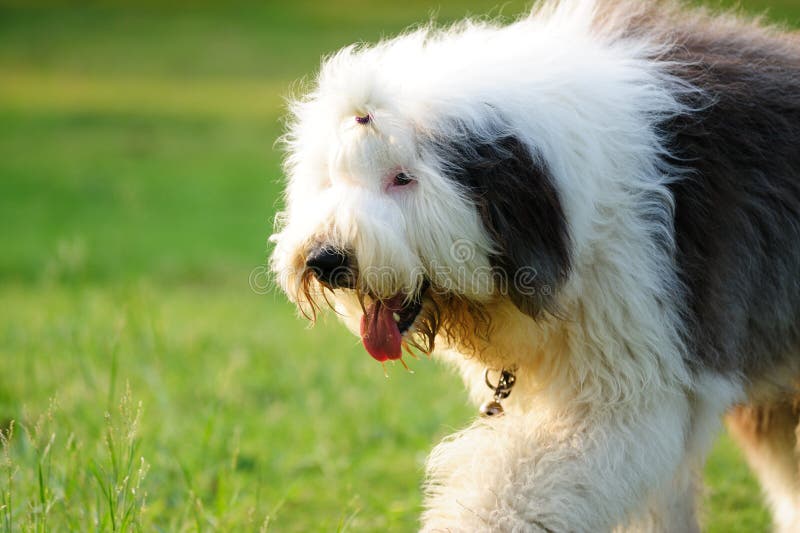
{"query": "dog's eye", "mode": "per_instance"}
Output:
(401, 179)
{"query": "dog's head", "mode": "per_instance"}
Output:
(412, 213)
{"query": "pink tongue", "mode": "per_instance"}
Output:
(379, 331)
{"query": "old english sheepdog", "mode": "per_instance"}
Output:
(597, 204)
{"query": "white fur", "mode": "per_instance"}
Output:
(606, 425)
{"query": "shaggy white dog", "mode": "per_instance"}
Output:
(602, 200)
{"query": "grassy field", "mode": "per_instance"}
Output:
(143, 383)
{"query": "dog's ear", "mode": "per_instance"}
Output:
(521, 210)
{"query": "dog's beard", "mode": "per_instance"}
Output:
(458, 321)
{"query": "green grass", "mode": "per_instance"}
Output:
(143, 384)
(245, 415)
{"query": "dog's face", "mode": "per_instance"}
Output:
(413, 221)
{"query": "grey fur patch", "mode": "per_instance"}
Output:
(737, 214)
(520, 208)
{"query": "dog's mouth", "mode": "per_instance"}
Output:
(386, 323)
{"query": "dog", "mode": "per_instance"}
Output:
(594, 210)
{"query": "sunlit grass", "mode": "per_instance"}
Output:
(245, 416)
(47, 92)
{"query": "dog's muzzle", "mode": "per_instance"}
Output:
(386, 321)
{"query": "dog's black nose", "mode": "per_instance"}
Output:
(331, 266)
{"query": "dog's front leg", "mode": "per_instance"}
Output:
(573, 472)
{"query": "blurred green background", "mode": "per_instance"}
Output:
(143, 382)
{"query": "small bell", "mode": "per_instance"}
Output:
(491, 409)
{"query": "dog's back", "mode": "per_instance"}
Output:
(737, 229)
(737, 209)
